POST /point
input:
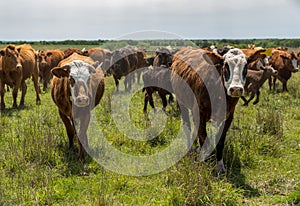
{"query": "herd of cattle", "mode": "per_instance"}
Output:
(216, 77)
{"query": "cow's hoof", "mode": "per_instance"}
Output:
(220, 168)
(21, 106)
(38, 102)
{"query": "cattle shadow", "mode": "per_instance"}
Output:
(234, 175)
(73, 165)
(14, 111)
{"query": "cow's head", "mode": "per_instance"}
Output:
(234, 72)
(268, 69)
(43, 56)
(78, 73)
(294, 59)
(11, 57)
(163, 57)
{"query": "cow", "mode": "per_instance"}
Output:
(68, 52)
(77, 87)
(225, 79)
(254, 56)
(285, 64)
(123, 62)
(255, 79)
(142, 63)
(157, 80)
(159, 75)
(163, 57)
(47, 60)
(18, 64)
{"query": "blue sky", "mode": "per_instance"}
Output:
(117, 19)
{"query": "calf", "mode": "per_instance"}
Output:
(123, 62)
(157, 80)
(47, 60)
(285, 64)
(76, 88)
(255, 79)
(18, 64)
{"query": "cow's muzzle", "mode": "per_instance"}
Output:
(236, 91)
(82, 101)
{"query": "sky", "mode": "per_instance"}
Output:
(37, 20)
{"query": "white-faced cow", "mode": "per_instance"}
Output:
(221, 88)
(76, 88)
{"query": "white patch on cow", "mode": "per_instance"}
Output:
(80, 72)
(259, 65)
(266, 60)
(295, 64)
(236, 61)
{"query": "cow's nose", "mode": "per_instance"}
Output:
(82, 101)
(19, 66)
(236, 91)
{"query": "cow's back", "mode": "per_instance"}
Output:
(194, 68)
(28, 60)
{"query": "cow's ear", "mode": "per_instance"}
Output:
(2, 52)
(97, 64)
(60, 72)
(259, 65)
(49, 54)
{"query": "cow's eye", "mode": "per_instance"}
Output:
(72, 82)
(226, 72)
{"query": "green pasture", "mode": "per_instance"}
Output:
(262, 156)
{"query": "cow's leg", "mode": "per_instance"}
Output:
(257, 97)
(245, 101)
(82, 136)
(274, 83)
(284, 87)
(69, 127)
(186, 124)
(151, 102)
(171, 98)
(251, 97)
(117, 83)
(15, 93)
(146, 100)
(2, 92)
(24, 90)
(220, 168)
(35, 79)
(270, 83)
(164, 99)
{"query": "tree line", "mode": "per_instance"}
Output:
(150, 44)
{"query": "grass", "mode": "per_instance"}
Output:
(262, 156)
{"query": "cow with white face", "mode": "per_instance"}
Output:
(216, 82)
(235, 72)
(76, 88)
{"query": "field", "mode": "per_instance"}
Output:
(262, 156)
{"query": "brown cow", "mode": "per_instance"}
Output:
(47, 60)
(18, 64)
(216, 90)
(285, 64)
(123, 62)
(255, 79)
(142, 63)
(76, 88)
(96, 54)
(163, 57)
(68, 52)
